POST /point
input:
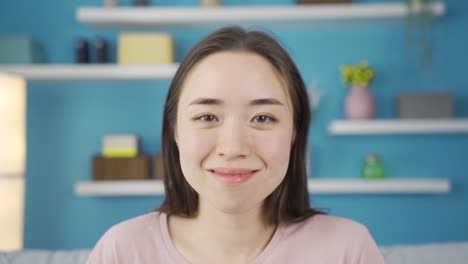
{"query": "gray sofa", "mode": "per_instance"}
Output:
(437, 253)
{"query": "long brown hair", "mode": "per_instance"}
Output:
(290, 200)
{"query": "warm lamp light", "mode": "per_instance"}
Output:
(12, 160)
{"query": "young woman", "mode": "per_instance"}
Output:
(234, 142)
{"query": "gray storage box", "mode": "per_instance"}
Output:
(425, 105)
(19, 50)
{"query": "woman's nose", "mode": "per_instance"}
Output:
(233, 141)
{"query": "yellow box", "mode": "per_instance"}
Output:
(145, 48)
(120, 153)
(119, 146)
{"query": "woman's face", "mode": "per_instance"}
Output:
(234, 130)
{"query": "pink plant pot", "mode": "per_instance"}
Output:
(359, 103)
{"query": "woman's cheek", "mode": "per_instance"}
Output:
(274, 149)
(195, 143)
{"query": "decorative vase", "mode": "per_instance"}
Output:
(359, 103)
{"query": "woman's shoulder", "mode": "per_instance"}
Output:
(129, 240)
(330, 239)
(334, 222)
(327, 226)
(136, 226)
(325, 237)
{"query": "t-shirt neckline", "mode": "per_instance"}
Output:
(179, 258)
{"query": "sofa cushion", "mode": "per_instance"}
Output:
(44, 257)
(436, 253)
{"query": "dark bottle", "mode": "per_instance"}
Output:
(81, 51)
(140, 2)
(102, 49)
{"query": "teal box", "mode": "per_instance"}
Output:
(19, 50)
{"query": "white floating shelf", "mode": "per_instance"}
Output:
(250, 15)
(399, 126)
(120, 188)
(315, 186)
(385, 186)
(73, 72)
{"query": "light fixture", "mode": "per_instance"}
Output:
(12, 160)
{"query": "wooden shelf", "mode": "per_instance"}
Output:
(246, 15)
(74, 72)
(399, 126)
(315, 186)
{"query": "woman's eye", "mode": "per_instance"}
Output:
(264, 119)
(206, 118)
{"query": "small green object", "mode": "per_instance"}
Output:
(373, 168)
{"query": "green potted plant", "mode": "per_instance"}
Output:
(418, 26)
(359, 103)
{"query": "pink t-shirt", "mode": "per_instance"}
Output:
(320, 239)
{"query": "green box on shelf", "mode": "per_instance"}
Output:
(19, 50)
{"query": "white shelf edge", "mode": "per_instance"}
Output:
(68, 72)
(384, 186)
(315, 186)
(120, 188)
(398, 126)
(189, 16)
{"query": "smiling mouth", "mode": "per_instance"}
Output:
(233, 177)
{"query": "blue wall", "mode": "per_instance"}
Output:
(65, 122)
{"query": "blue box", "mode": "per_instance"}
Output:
(19, 50)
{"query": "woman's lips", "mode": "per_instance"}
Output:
(232, 176)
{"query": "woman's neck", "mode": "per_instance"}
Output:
(215, 236)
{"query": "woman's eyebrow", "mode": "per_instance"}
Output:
(256, 102)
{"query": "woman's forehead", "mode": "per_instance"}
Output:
(234, 75)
